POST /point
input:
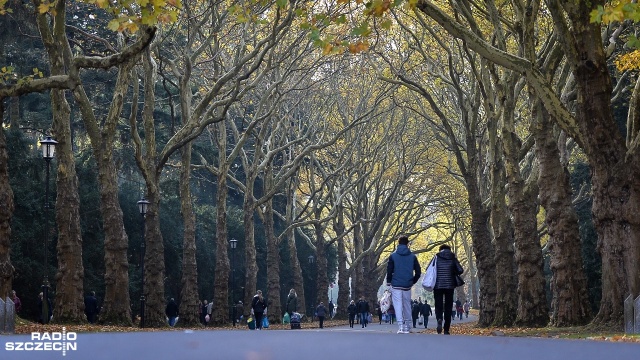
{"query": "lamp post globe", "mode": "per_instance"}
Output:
(48, 146)
(143, 205)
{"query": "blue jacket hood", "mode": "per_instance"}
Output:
(403, 250)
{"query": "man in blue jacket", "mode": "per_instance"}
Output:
(403, 270)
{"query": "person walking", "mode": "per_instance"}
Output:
(465, 307)
(16, 301)
(239, 311)
(351, 310)
(415, 312)
(91, 307)
(203, 312)
(363, 310)
(459, 309)
(391, 313)
(448, 267)
(379, 313)
(209, 311)
(321, 312)
(258, 308)
(40, 304)
(292, 302)
(403, 270)
(172, 311)
(426, 312)
(331, 308)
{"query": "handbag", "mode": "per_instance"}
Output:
(420, 320)
(459, 281)
(429, 280)
(385, 301)
(265, 322)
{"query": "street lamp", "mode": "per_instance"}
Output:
(233, 243)
(143, 205)
(48, 146)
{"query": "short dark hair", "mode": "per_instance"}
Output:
(403, 240)
(445, 246)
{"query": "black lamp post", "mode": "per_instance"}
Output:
(311, 259)
(143, 204)
(233, 243)
(48, 149)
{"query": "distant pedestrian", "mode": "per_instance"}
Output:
(426, 312)
(379, 313)
(204, 304)
(16, 301)
(91, 307)
(292, 302)
(459, 310)
(363, 310)
(465, 307)
(258, 308)
(391, 313)
(40, 311)
(403, 270)
(351, 310)
(171, 311)
(415, 312)
(331, 308)
(448, 267)
(209, 311)
(239, 311)
(321, 312)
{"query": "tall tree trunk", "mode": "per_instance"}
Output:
(6, 213)
(570, 301)
(506, 302)
(357, 275)
(250, 260)
(154, 263)
(616, 184)
(220, 313)
(189, 303)
(322, 283)
(298, 283)
(532, 301)
(343, 274)
(154, 245)
(116, 307)
(69, 304)
(273, 255)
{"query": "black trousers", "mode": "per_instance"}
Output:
(352, 318)
(321, 319)
(444, 303)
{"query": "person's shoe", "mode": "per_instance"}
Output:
(439, 328)
(446, 332)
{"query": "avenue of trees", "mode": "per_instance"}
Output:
(314, 133)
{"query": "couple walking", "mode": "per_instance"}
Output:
(403, 271)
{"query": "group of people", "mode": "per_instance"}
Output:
(403, 271)
(460, 309)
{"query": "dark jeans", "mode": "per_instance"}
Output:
(321, 319)
(446, 295)
(363, 318)
(414, 318)
(258, 317)
(426, 321)
(352, 319)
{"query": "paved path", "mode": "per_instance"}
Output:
(389, 328)
(317, 344)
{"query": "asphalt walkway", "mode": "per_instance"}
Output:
(393, 328)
